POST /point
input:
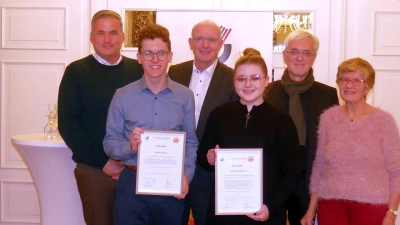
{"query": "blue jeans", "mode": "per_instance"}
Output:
(133, 209)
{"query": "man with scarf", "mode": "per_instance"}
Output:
(304, 99)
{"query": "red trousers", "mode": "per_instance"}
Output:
(344, 212)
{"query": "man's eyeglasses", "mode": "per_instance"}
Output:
(149, 55)
(210, 40)
(255, 79)
(357, 82)
(295, 53)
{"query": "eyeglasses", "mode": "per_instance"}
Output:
(149, 55)
(357, 82)
(295, 53)
(210, 40)
(255, 79)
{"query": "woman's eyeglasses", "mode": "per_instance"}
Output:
(255, 79)
(357, 82)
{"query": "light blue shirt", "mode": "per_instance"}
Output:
(135, 105)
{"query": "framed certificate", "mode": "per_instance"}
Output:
(238, 181)
(160, 163)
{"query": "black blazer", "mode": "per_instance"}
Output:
(314, 101)
(220, 91)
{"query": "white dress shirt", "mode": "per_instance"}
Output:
(199, 84)
(104, 62)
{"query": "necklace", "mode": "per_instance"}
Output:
(247, 116)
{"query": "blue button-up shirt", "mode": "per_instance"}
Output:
(135, 105)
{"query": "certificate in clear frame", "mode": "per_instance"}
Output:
(160, 163)
(238, 181)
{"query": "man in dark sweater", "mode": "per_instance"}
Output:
(298, 94)
(85, 93)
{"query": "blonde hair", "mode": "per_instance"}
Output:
(354, 64)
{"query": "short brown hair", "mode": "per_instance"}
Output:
(153, 31)
(106, 14)
(354, 64)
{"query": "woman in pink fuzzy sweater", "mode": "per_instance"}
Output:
(356, 172)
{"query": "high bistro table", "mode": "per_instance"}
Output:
(52, 169)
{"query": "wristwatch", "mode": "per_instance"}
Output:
(393, 211)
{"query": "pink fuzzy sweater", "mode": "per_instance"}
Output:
(357, 161)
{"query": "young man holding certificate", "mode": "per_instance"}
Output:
(152, 103)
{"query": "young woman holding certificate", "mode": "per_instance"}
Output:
(252, 123)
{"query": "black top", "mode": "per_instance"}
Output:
(85, 93)
(314, 101)
(268, 128)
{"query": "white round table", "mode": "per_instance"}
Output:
(52, 168)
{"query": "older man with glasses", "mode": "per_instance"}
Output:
(304, 99)
(212, 84)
